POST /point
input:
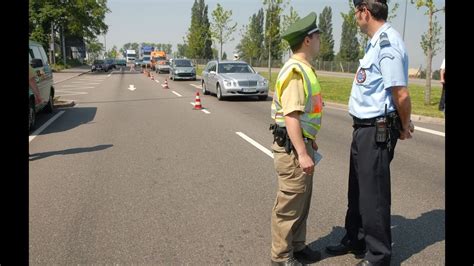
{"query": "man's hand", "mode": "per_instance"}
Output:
(406, 132)
(306, 164)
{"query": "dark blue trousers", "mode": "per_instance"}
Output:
(369, 196)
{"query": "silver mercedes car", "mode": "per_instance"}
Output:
(233, 78)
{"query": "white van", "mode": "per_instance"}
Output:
(44, 81)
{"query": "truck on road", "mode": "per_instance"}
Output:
(131, 56)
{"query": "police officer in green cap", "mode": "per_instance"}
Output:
(296, 109)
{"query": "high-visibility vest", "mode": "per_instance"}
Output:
(311, 118)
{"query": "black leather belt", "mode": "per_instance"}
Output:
(371, 121)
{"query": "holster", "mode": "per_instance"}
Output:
(280, 136)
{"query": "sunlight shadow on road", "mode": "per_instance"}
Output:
(42, 155)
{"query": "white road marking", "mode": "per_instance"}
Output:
(177, 94)
(69, 87)
(132, 87)
(256, 144)
(45, 125)
(69, 93)
(85, 83)
(434, 132)
(157, 81)
(195, 86)
(203, 110)
(109, 74)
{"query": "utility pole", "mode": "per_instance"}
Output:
(405, 19)
(269, 42)
(51, 46)
(105, 47)
(64, 45)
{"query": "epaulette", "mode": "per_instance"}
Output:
(384, 39)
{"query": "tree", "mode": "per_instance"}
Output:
(83, 19)
(224, 56)
(221, 27)
(182, 50)
(272, 28)
(287, 21)
(112, 53)
(250, 46)
(326, 52)
(94, 49)
(430, 41)
(199, 37)
(349, 49)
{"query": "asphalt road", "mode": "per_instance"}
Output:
(136, 175)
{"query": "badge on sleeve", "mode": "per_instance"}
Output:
(360, 76)
(384, 39)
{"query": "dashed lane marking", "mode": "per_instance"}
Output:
(256, 144)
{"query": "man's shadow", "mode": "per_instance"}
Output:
(409, 236)
(42, 155)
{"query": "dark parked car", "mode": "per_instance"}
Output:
(98, 65)
(109, 64)
(120, 62)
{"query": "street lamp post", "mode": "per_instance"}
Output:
(105, 46)
(405, 19)
(269, 41)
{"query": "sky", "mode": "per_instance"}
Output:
(168, 21)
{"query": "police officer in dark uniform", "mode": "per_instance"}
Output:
(380, 107)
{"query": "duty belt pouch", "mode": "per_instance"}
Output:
(381, 130)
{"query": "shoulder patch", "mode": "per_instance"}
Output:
(383, 39)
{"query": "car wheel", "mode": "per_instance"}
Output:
(204, 89)
(50, 105)
(262, 97)
(219, 93)
(31, 115)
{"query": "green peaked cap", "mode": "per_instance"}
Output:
(299, 29)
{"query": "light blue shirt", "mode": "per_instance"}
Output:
(385, 64)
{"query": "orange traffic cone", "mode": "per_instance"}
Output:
(165, 86)
(197, 103)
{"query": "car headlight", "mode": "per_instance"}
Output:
(228, 83)
(263, 82)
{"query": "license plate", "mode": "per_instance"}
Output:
(249, 90)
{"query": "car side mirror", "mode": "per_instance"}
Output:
(36, 63)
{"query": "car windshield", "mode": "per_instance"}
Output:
(146, 58)
(183, 63)
(98, 61)
(234, 68)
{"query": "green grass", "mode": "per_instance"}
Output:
(338, 90)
